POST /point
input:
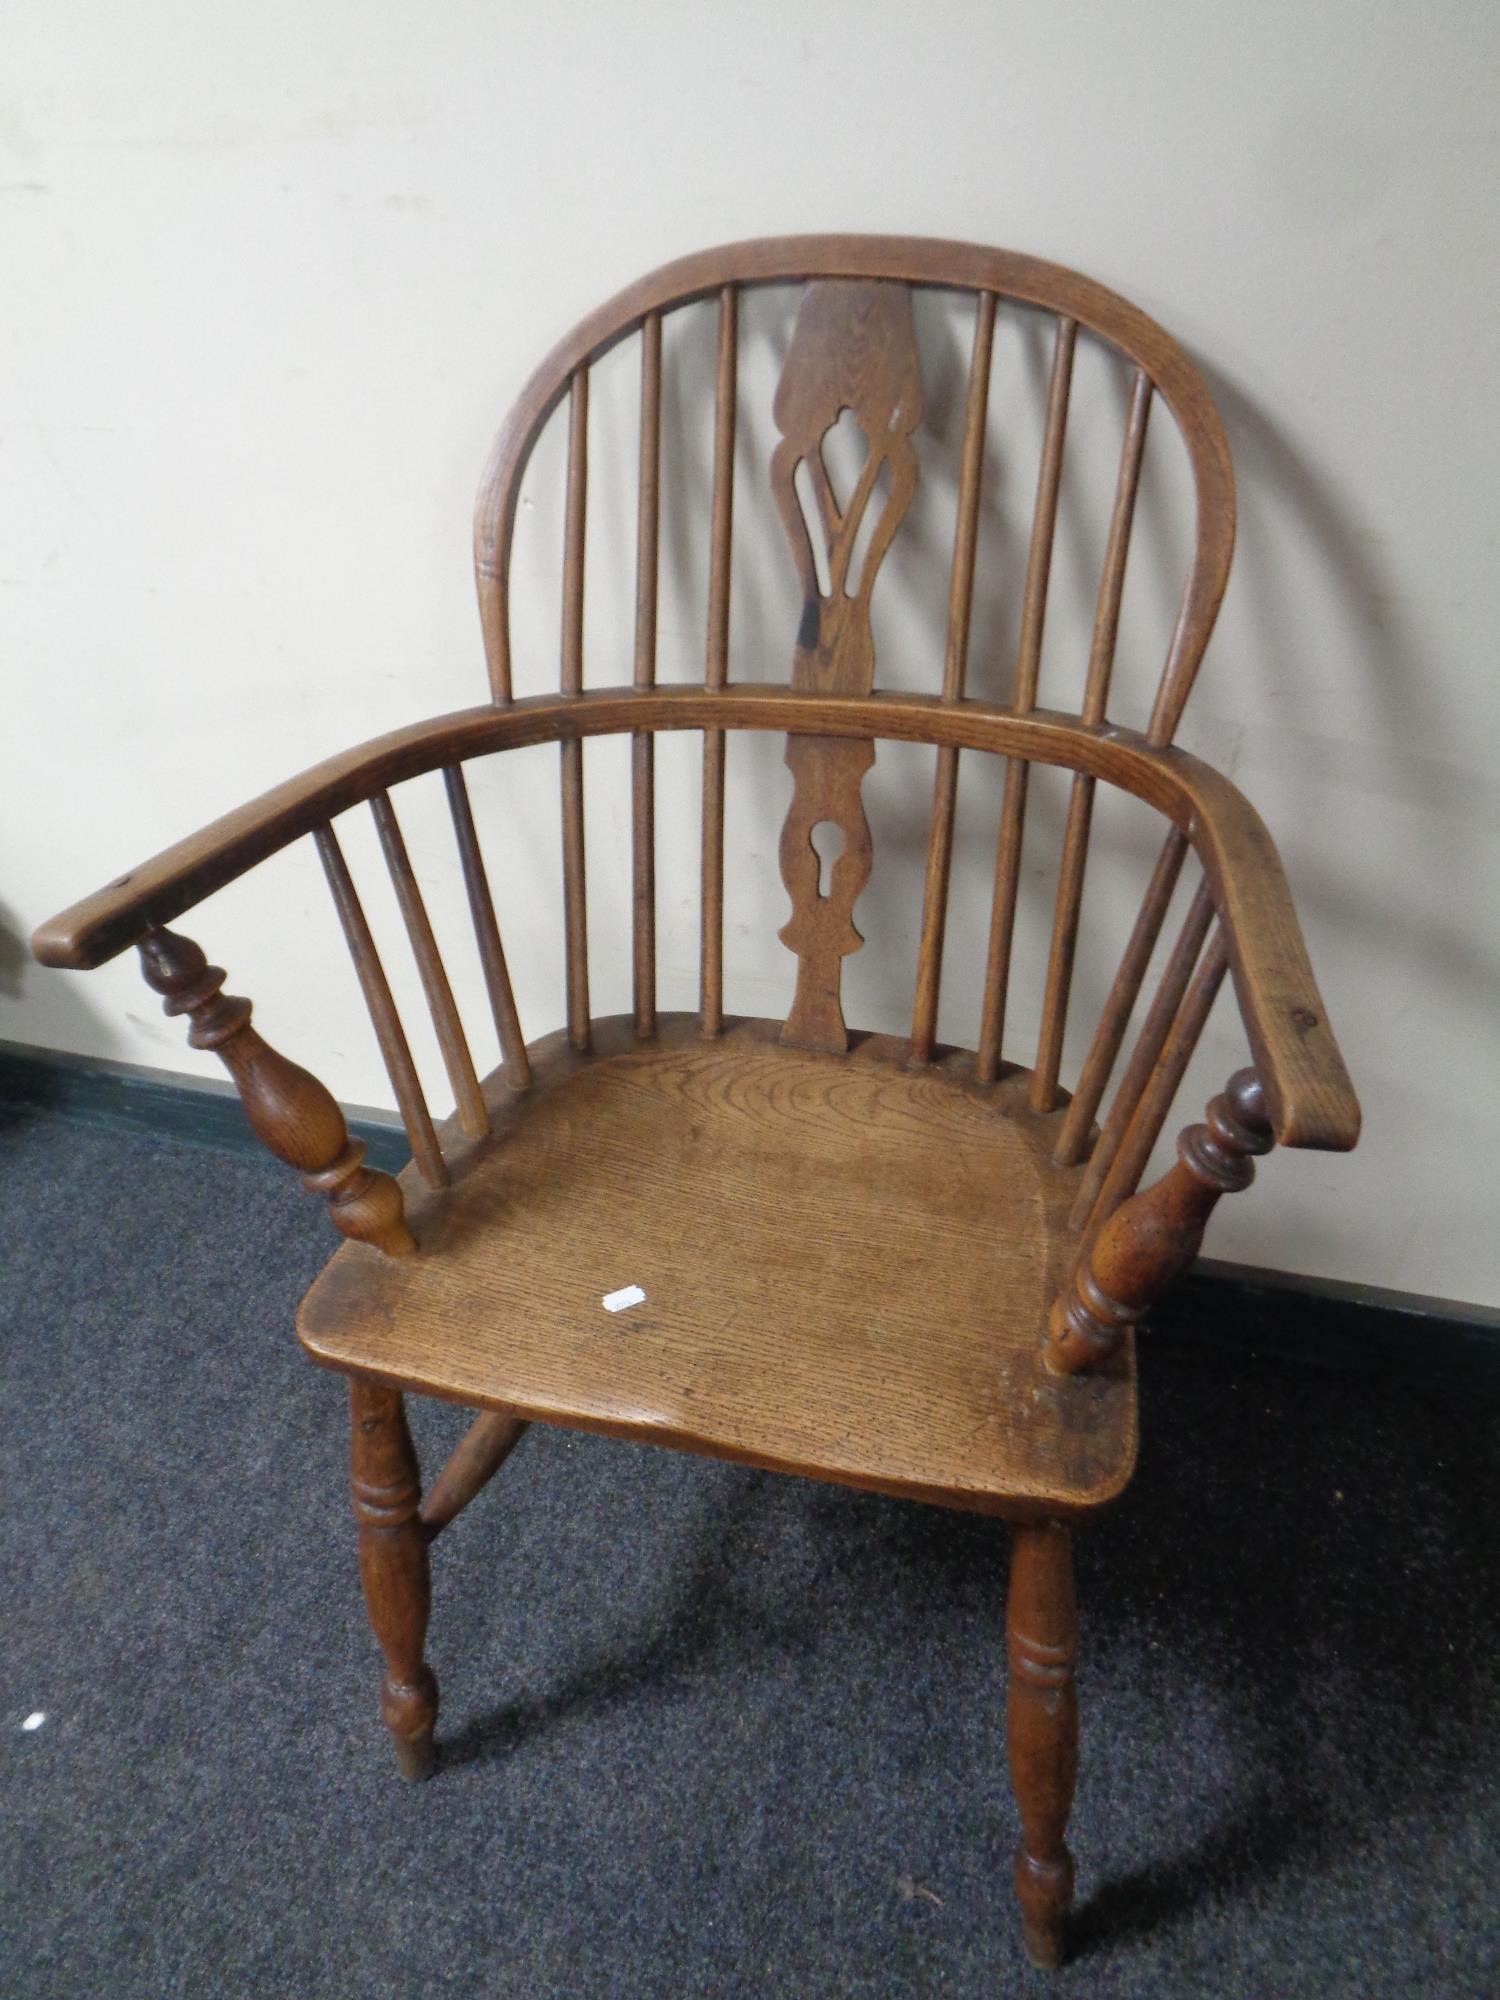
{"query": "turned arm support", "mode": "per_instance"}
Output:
(292, 1114)
(1151, 1239)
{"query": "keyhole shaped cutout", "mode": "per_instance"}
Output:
(827, 842)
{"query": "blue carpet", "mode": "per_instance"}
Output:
(705, 1731)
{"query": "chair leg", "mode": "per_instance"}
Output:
(1042, 1716)
(393, 1568)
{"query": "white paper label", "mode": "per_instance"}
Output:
(630, 1295)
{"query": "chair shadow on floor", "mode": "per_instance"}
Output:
(1308, 1543)
(708, 1626)
(1333, 1579)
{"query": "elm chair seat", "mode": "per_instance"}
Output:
(872, 1312)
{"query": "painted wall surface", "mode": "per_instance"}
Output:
(273, 274)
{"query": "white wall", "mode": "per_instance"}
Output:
(273, 273)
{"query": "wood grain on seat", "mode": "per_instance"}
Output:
(847, 1269)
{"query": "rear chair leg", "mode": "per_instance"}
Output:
(1042, 1716)
(393, 1568)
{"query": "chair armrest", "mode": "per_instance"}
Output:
(1310, 1099)
(1309, 1095)
(108, 922)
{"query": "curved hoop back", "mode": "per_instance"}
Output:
(1162, 370)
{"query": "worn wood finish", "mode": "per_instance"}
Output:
(924, 1378)
(854, 348)
(289, 1111)
(477, 1457)
(1151, 1239)
(387, 1491)
(486, 930)
(1042, 1724)
(389, 1033)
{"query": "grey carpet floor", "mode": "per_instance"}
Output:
(705, 1731)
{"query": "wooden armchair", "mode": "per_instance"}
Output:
(865, 1258)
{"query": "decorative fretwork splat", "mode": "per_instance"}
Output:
(853, 349)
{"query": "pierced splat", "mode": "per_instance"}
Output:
(853, 356)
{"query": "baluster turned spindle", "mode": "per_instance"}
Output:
(1028, 671)
(1042, 1727)
(393, 1567)
(955, 669)
(291, 1113)
(1152, 1238)
(716, 669)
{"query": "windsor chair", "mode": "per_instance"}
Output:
(871, 1259)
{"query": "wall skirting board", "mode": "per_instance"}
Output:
(1317, 1321)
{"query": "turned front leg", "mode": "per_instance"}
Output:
(1042, 1719)
(1151, 1239)
(393, 1568)
(292, 1114)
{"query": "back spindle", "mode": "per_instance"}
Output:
(1145, 1126)
(394, 1049)
(716, 667)
(642, 759)
(1028, 669)
(1081, 800)
(960, 608)
(472, 1115)
(1155, 1029)
(487, 932)
(575, 903)
(1115, 1017)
